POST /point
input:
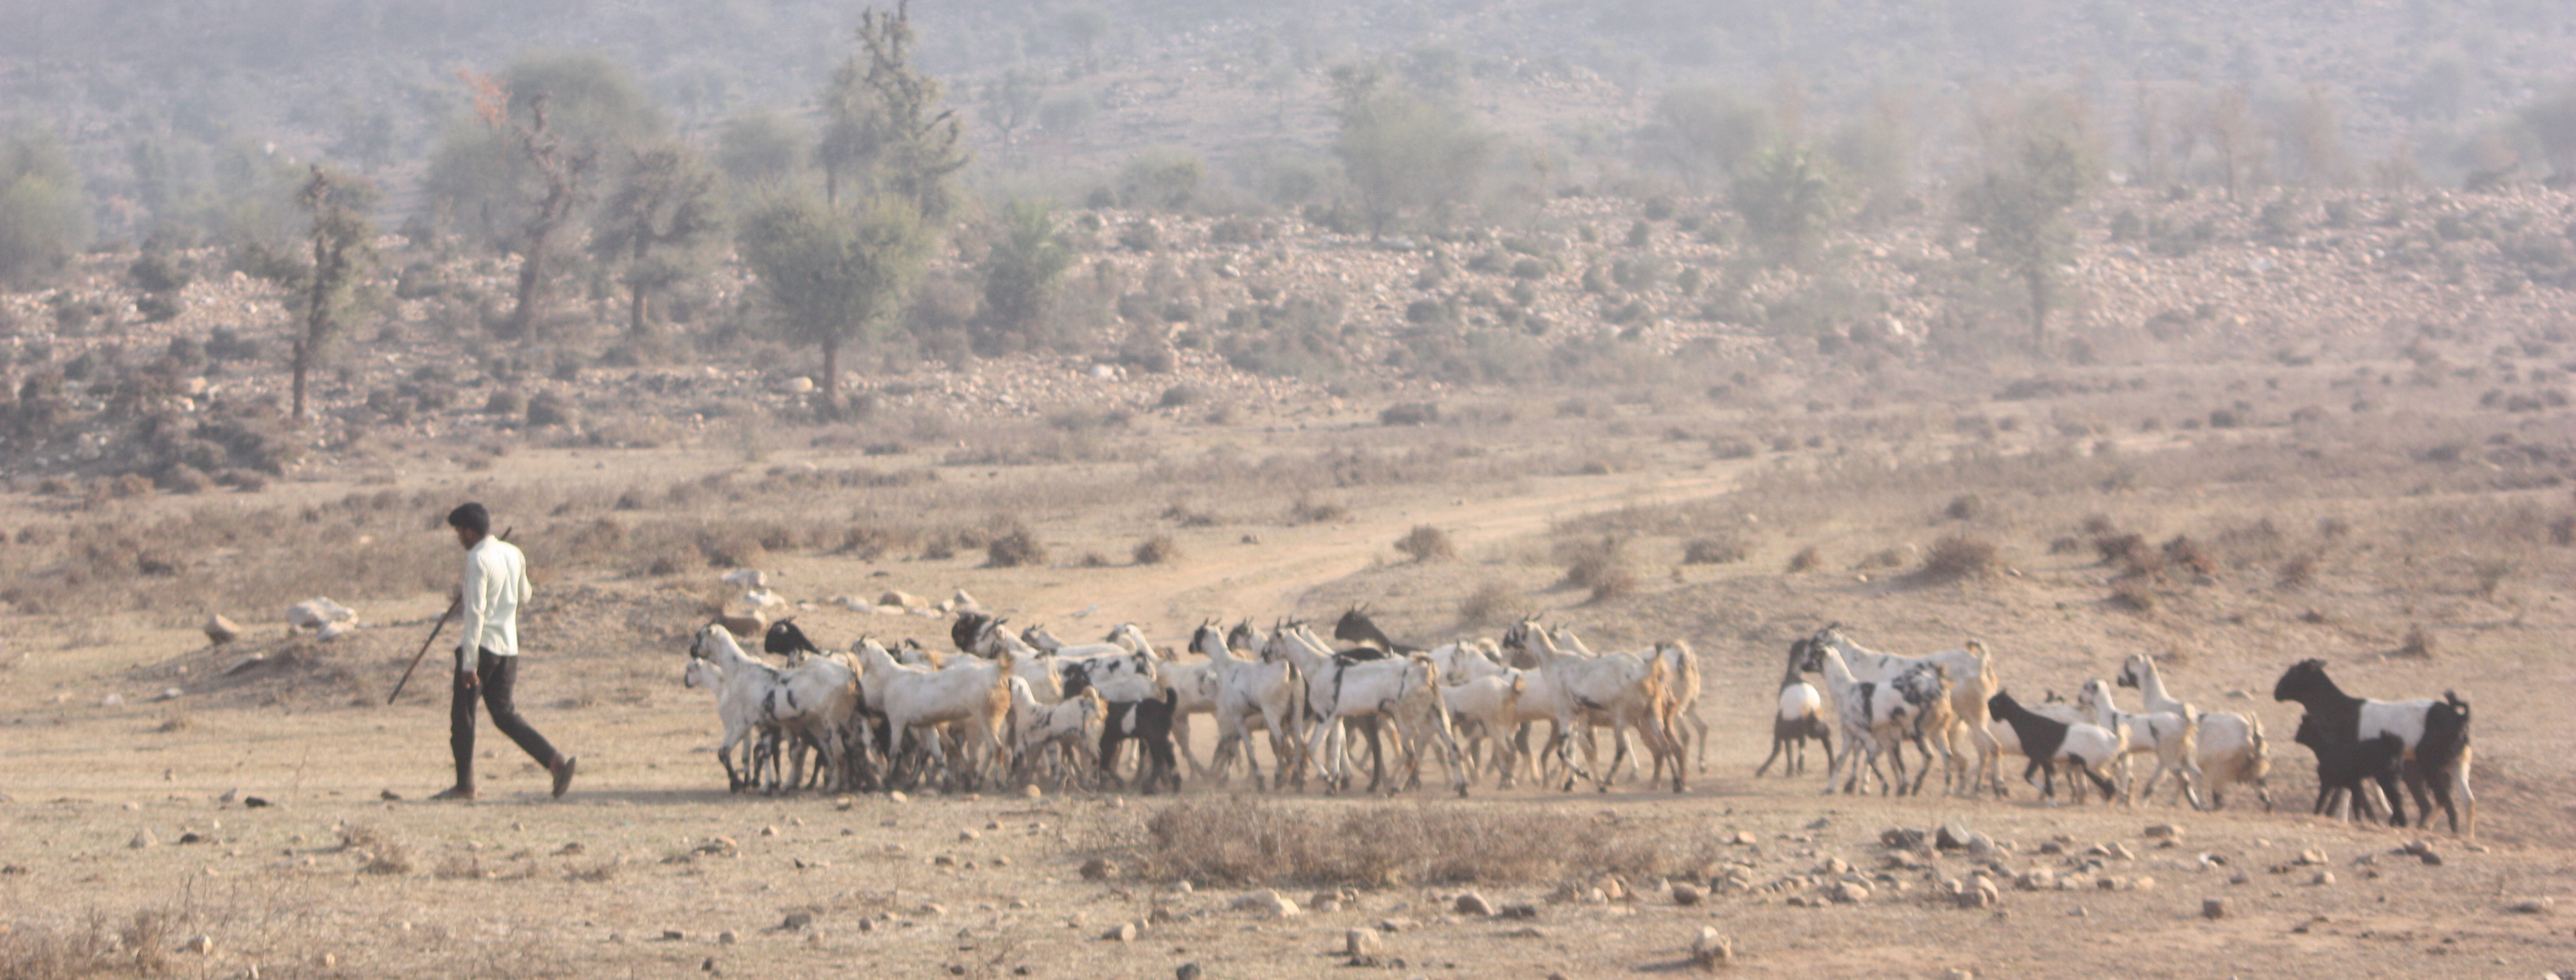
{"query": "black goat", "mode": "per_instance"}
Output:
(2045, 740)
(2434, 734)
(1150, 724)
(2343, 765)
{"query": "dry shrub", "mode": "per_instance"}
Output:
(1491, 603)
(1965, 507)
(1239, 842)
(1719, 550)
(2131, 554)
(1598, 564)
(176, 721)
(1884, 558)
(1188, 517)
(385, 855)
(2420, 642)
(2099, 525)
(150, 935)
(1092, 559)
(1014, 548)
(1426, 543)
(1156, 550)
(460, 867)
(2562, 532)
(1807, 559)
(2491, 574)
(604, 871)
(2065, 544)
(1308, 510)
(30, 952)
(2183, 553)
(1615, 583)
(2298, 573)
(2134, 596)
(1959, 557)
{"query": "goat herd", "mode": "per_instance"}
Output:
(1025, 708)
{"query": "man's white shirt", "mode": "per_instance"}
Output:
(496, 583)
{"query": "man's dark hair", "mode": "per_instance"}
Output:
(471, 517)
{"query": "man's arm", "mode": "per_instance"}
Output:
(476, 605)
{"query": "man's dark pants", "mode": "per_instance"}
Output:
(495, 675)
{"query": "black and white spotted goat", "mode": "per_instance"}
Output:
(2433, 733)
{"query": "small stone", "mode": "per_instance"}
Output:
(1032, 792)
(2163, 831)
(1951, 837)
(1963, 975)
(1744, 838)
(2323, 878)
(2312, 856)
(1519, 910)
(771, 831)
(1983, 847)
(2431, 857)
(898, 797)
(797, 920)
(1397, 925)
(1820, 823)
(142, 839)
(727, 938)
(1187, 971)
(2213, 908)
(1359, 942)
(2535, 906)
(2143, 884)
(1712, 949)
(932, 910)
(967, 835)
(2240, 878)
(199, 943)
(1850, 893)
(1685, 895)
(1098, 869)
(1124, 932)
(673, 935)
(1473, 904)
(1835, 866)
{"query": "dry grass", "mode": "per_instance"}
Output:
(2297, 573)
(1959, 558)
(1715, 550)
(2420, 643)
(1157, 550)
(1242, 842)
(1598, 564)
(29, 952)
(1426, 543)
(1014, 548)
(1807, 559)
(1491, 602)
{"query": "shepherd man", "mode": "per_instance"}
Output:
(487, 658)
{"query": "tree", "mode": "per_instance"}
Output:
(1011, 103)
(2552, 121)
(1790, 196)
(1401, 153)
(1703, 132)
(42, 216)
(518, 171)
(1028, 258)
(760, 148)
(835, 275)
(656, 226)
(886, 128)
(343, 252)
(2020, 206)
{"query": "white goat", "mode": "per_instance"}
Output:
(2232, 748)
(1048, 733)
(916, 699)
(1612, 685)
(1486, 710)
(1877, 715)
(814, 700)
(1251, 693)
(2165, 735)
(1800, 716)
(1403, 691)
(1972, 681)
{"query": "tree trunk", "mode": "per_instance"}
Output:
(636, 311)
(299, 366)
(832, 378)
(531, 276)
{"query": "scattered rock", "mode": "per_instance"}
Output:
(727, 938)
(2213, 908)
(1031, 791)
(1894, 838)
(1187, 971)
(1473, 904)
(1359, 942)
(1519, 910)
(897, 797)
(1124, 932)
(1820, 823)
(199, 943)
(797, 920)
(221, 630)
(2322, 878)
(1268, 903)
(1397, 925)
(2240, 878)
(1849, 893)
(2535, 906)
(142, 839)
(1983, 847)
(1685, 895)
(2311, 856)
(967, 835)
(2163, 831)
(1951, 837)
(932, 910)
(313, 614)
(1745, 838)
(673, 935)
(1711, 950)
(1098, 869)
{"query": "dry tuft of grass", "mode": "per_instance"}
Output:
(1965, 507)
(1718, 550)
(2420, 643)
(2491, 574)
(2297, 573)
(1426, 543)
(1157, 550)
(34, 953)
(1491, 603)
(176, 721)
(1014, 548)
(1807, 559)
(2131, 554)
(1242, 842)
(385, 855)
(1308, 510)
(2184, 553)
(1959, 557)
(460, 867)
(2134, 596)
(1598, 564)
